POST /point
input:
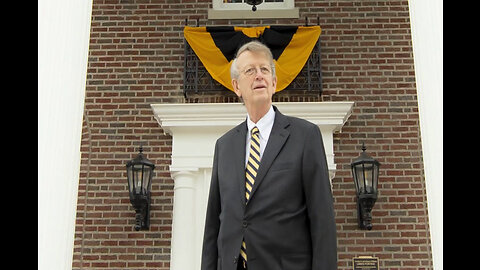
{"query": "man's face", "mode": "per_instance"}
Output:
(255, 84)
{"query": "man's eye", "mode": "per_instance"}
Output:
(250, 71)
(265, 70)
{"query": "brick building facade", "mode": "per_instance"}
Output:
(136, 58)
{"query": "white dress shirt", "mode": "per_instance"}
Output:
(264, 125)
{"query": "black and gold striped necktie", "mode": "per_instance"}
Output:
(253, 162)
(250, 173)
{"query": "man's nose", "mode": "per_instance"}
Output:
(258, 74)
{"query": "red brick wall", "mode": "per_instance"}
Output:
(136, 59)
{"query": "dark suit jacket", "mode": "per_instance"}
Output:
(288, 222)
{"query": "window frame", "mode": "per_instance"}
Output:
(285, 9)
(220, 5)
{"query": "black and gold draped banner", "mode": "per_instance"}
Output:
(216, 46)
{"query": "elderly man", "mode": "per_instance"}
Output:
(270, 205)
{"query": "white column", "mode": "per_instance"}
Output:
(327, 137)
(63, 37)
(426, 18)
(183, 224)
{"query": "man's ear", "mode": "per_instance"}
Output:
(235, 88)
(274, 83)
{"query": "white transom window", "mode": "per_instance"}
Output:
(242, 5)
(239, 9)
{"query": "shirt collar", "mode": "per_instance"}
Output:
(264, 125)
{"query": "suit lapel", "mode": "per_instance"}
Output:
(277, 139)
(239, 145)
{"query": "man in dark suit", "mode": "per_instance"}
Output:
(270, 205)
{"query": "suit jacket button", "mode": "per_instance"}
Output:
(235, 260)
(244, 224)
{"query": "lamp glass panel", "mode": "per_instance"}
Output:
(368, 171)
(375, 177)
(138, 177)
(364, 177)
(359, 177)
(146, 178)
(130, 179)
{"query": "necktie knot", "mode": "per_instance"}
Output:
(255, 131)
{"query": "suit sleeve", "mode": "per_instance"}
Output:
(212, 221)
(319, 202)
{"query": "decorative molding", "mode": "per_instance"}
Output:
(196, 126)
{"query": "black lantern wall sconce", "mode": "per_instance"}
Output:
(139, 176)
(365, 171)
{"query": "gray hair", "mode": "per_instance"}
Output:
(253, 46)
